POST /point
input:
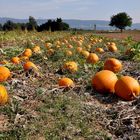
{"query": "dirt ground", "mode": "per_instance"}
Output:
(134, 34)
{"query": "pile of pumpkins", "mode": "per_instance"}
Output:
(106, 81)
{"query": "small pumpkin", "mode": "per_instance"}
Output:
(68, 53)
(127, 88)
(113, 48)
(23, 58)
(70, 46)
(15, 60)
(129, 51)
(113, 64)
(4, 73)
(29, 65)
(27, 52)
(51, 51)
(48, 45)
(85, 53)
(104, 81)
(79, 43)
(4, 62)
(100, 50)
(36, 49)
(92, 58)
(79, 49)
(71, 66)
(66, 82)
(3, 95)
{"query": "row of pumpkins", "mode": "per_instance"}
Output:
(103, 81)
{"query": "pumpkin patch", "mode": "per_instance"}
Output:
(68, 82)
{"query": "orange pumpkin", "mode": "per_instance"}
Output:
(29, 65)
(113, 64)
(4, 62)
(4, 73)
(15, 60)
(99, 50)
(68, 53)
(113, 48)
(92, 58)
(36, 49)
(79, 43)
(71, 66)
(51, 51)
(129, 51)
(89, 47)
(104, 81)
(66, 82)
(48, 45)
(79, 49)
(27, 52)
(85, 53)
(58, 46)
(70, 46)
(127, 88)
(3, 95)
(23, 58)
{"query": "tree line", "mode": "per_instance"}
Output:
(120, 21)
(31, 25)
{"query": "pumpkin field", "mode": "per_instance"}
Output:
(70, 85)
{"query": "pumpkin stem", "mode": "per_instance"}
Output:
(134, 95)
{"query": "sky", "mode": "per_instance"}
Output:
(69, 9)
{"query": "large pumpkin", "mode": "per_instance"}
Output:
(71, 66)
(65, 82)
(127, 88)
(3, 95)
(29, 65)
(113, 64)
(104, 81)
(92, 58)
(4, 73)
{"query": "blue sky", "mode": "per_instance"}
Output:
(69, 9)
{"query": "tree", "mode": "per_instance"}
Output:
(121, 21)
(32, 24)
(9, 26)
(0, 27)
(53, 25)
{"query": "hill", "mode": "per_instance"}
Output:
(74, 23)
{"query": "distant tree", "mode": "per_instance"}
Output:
(55, 25)
(121, 21)
(23, 26)
(32, 24)
(0, 27)
(9, 26)
(65, 26)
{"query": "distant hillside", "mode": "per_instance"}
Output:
(80, 24)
